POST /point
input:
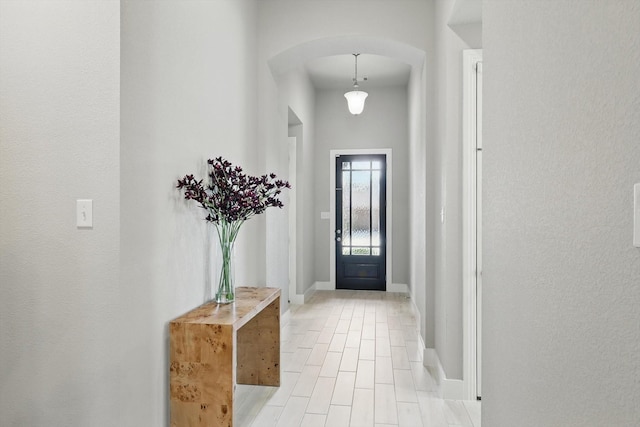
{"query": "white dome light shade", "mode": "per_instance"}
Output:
(355, 101)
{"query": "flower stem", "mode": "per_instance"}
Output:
(227, 233)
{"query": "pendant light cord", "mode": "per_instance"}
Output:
(355, 80)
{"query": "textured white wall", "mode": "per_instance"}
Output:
(188, 94)
(61, 360)
(383, 124)
(562, 151)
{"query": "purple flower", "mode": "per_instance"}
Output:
(232, 196)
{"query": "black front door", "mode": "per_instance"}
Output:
(361, 222)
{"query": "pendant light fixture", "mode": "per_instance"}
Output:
(355, 98)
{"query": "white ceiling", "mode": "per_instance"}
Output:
(336, 72)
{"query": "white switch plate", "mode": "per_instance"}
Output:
(325, 215)
(636, 215)
(84, 213)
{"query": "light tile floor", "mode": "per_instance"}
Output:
(352, 358)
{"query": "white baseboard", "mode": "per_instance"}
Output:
(430, 358)
(453, 389)
(402, 288)
(296, 299)
(416, 313)
(449, 389)
(285, 317)
(323, 286)
(309, 292)
(300, 299)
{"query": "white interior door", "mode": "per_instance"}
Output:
(472, 223)
(479, 229)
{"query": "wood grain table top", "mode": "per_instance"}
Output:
(248, 302)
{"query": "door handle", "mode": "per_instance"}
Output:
(338, 239)
(338, 231)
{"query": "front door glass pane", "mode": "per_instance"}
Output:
(357, 250)
(362, 165)
(346, 212)
(375, 208)
(361, 210)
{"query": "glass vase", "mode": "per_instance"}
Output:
(226, 292)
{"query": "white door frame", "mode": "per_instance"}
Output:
(293, 221)
(472, 140)
(332, 209)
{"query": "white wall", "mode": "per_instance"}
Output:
(561, 154)
(448, 192)
(61, 317)
(188, 93)
(383, 124)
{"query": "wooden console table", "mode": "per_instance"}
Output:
(216, 346)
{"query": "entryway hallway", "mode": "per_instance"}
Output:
(352, 358)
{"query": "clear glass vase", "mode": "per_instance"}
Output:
(226, 292)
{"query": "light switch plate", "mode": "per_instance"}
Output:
(84, 213)
(325, 215)
(636, 215)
